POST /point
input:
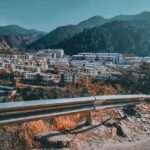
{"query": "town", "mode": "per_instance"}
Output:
(54, 66)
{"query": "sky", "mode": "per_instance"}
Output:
(46, 15)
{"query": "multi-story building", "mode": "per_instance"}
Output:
(146, 59)
(78, 63)
(61, 62)
(59, 53)
(88, 71)
(133, 59)
(115, 58)
(70, 77)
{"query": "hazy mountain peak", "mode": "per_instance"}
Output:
(92, 22)
(145, 13)
(142, 16)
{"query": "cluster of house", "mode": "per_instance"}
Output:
(29, 66)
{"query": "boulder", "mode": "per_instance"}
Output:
(59, 141)
(53, 139)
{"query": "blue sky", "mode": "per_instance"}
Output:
(48, 14)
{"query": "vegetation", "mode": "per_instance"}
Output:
(85, 88)
(133, 80)
(7, 78)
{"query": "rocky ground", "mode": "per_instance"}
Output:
(113, 129)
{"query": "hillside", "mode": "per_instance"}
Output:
(66, 32)
(63, 33)
(118, 36)
(13, 36)
(18, 41)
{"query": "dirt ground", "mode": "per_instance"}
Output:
(113, 129)
(138, 145)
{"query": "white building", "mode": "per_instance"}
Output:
(78, 63)
(59, 53)
(115, 58)
(61, 62)
(146, 59)
(133, 59)
(25, 68)
(70, 77)
(107, 75)
(89, 71)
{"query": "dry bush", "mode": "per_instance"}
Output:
(95, 89)
(100, 89)
(22, 135)
(68, 122)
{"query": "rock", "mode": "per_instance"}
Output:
(146, 116)
(111, 122)
(123, 131)
(145, 121)
(132, 119)
(59, 141)
(53, 139)
(130, 111)
(46, 134)
(105, 119)
(121, 113)
(114, 131)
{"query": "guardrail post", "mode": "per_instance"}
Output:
(89, 118)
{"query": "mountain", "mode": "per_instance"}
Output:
(92, 22)
(13, 36)
(17, 30)
(66, 32)
(19, 41)
(63, 33)
(117, 36)
(145, 16)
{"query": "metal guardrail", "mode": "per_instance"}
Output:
(14, 112)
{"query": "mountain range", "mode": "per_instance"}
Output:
(122, 33)
(66, 32)
(100, 34)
